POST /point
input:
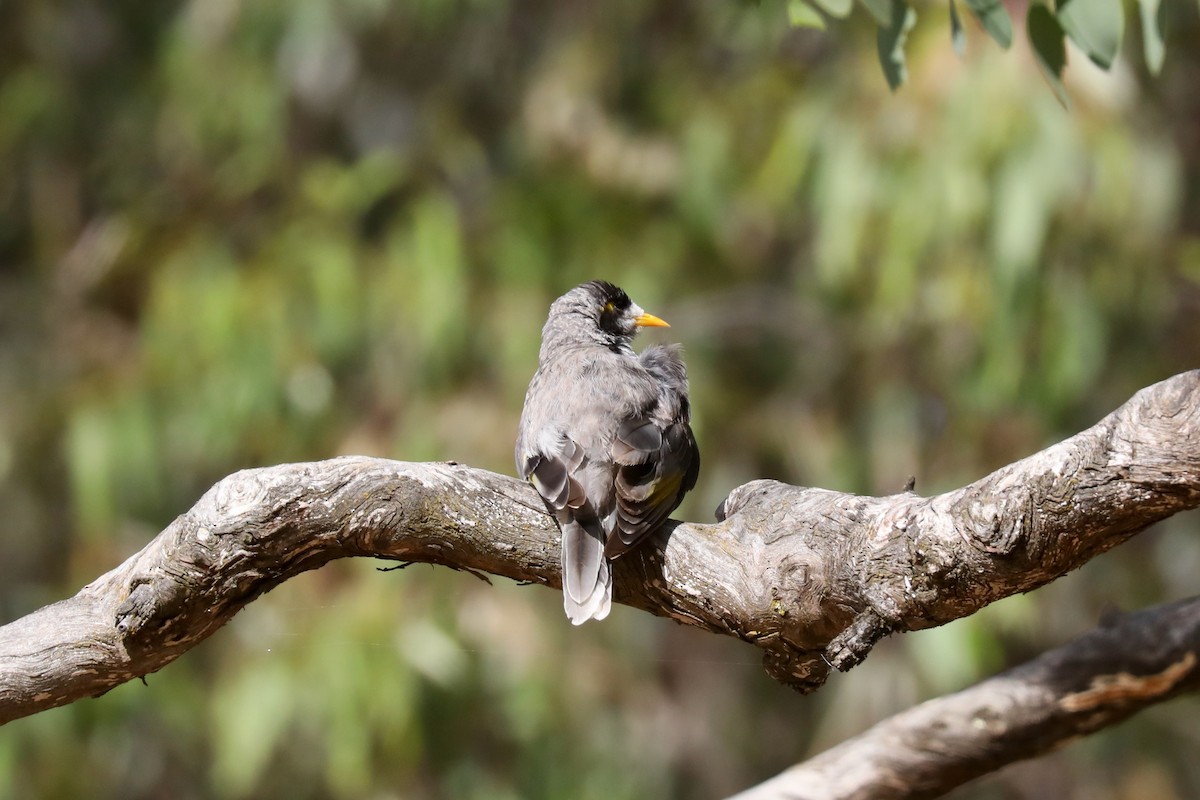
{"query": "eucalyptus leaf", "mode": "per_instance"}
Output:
(1049, 48)
(881, 10)
(890, 41)
(802, 15)
(1153, 47)
(1096, 26)
(835, 8)
(958, 38)
(994, 18)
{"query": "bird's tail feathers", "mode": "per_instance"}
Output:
(587, 579)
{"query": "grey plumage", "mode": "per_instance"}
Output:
(604, 437)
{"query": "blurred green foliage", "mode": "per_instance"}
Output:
(236, 234)
(1095, 27)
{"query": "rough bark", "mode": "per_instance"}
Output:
(813, 577)
(1097, 680)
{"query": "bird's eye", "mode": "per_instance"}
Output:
(609, 307)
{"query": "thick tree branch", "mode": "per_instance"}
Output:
(1095, 681)
(807, 574)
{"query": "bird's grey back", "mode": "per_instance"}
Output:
(665, 364)
(605, 387)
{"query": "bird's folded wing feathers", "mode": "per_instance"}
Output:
(554, 475)
(650, 483)
(636, 441)
(656, 454)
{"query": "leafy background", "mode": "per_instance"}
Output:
(237, 234)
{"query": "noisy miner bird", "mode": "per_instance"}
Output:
(604, 436)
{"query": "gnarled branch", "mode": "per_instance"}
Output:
(813, 577)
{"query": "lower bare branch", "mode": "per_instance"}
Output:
(1093, 682)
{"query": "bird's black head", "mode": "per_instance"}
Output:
(613, 306)
(597, 311)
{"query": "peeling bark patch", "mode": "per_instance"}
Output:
(1107, 689)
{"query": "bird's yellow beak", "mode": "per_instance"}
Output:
(650, 321)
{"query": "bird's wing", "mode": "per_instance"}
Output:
(657, 460)
(559, 473)
(553, 471)
(650, 483)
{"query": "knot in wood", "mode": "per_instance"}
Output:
(242, 494)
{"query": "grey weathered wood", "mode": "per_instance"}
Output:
(813, 577)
